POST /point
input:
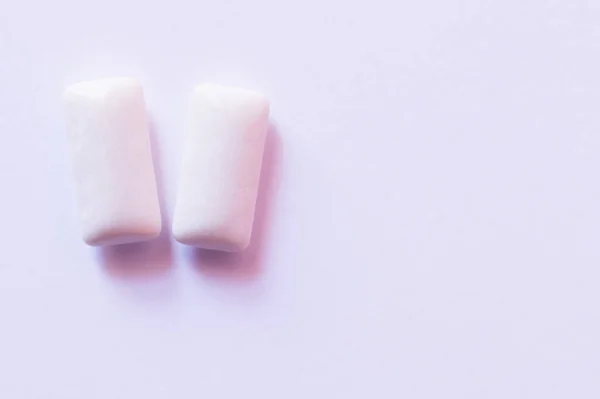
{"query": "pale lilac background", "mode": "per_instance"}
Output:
(429, 221)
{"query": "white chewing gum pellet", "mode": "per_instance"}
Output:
(220, 171)
(110, 146)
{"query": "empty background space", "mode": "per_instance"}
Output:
(428, 223)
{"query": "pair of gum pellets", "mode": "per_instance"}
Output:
(219, 176)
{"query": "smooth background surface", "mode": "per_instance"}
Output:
(428, 226)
